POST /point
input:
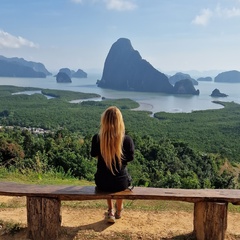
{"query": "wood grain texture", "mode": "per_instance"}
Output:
(43, 218)
(66, 192)
(210, 220)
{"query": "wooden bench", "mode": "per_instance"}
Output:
(44, 205)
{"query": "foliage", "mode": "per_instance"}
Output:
(185, 150)
(162, 163)
(212, 131)
(36, 111)
(68, 95)
(174, 164)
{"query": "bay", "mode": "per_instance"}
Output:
(154, 102)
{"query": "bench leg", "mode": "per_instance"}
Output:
(43, 218)
(210, 220)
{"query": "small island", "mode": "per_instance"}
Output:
(217, 93)
(62, 77)
(207, 79)
(228, 77)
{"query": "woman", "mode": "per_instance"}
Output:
(114, 150)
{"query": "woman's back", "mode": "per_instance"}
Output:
(113, 150)
(117, 180)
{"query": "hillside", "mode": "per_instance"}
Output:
(19, 67)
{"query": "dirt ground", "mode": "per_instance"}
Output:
(80, 223)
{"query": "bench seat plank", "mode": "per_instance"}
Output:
(69, 193)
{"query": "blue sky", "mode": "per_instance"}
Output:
(173, 35)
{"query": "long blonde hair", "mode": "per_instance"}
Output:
(112, 131)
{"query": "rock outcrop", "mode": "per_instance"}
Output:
(124, 69)
(79, 74)
(185, 86)
(63, 77)
(217, 93)
(72, 74)
(206, 79)
(229, 77)
(67, 71)
(181, 76)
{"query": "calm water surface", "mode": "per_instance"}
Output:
(154, 102)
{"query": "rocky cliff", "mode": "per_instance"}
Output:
(185, 86)
(13, 69)
(79, 74)
(63, 77)
(217, 93)
(229, 76)
(17, 66)
(124, 69)
(72, 74)
(181, 76)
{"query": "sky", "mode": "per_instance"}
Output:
(172, 35)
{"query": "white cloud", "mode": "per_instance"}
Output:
(206, 14)
(203, 18)
(228, 13)
(9, 41)
(120, 5)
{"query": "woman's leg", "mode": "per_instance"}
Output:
(110, 204)
(111, 217)
(119, 208)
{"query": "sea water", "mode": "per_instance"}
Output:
(154, 102)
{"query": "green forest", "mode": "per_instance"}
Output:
(173, 150)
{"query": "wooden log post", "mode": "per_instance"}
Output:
(43, 218)
(210, 220)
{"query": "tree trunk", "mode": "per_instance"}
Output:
(43, 218)
(210, 220)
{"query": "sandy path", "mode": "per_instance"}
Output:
(79, 223)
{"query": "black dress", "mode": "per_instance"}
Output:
(104, 178)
